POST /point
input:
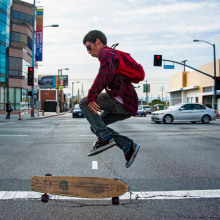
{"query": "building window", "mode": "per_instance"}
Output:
(22, 16)
(175, 98)
(15, 97)
(18, 67)
(207, 89)
(21, 38)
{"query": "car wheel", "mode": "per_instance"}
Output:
(168, 119)
(205, 119)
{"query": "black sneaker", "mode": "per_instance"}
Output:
(101, 146)
(131, 154)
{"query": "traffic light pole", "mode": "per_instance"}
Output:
(213, 77)
(215, 96)
(33, 61)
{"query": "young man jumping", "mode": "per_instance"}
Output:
(119, 101)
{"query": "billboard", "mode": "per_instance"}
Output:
(39, 35)
(146, 88)
(53, 82)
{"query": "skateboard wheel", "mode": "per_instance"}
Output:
(48, 174)
(44, 198)
(115, 200)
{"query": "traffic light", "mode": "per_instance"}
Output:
(157, 60)
(30, 76)
(218, 83)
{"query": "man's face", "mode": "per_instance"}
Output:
(93, 48)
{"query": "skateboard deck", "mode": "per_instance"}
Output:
(83, 187)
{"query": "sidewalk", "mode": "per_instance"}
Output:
(15, 116)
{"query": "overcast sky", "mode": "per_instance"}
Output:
(142, 28)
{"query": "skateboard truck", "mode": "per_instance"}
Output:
(45, 197)
(115, 200)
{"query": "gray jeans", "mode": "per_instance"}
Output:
(112, 111)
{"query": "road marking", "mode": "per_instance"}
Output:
(13, 135)
(94, 165)
(6, 123)
(189, 194)
(87, 135)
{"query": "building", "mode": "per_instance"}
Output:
(193, 86)
(4, 43)
(19, 53)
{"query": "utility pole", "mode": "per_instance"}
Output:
(146, 89)
(162, 89)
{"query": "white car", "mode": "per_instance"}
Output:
(185, 112)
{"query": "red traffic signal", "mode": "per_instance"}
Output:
(30, 69)
(30, 76)
(157, 60)
(218, 83)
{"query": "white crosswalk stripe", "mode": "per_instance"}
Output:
(190, 194)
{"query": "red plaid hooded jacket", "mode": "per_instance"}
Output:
(114, 83)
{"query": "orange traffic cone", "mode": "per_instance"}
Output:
(19, 114)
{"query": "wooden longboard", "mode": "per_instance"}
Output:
(83, 187)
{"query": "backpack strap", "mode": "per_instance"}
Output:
(114, 46)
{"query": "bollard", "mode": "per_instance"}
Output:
(43, 113)
(19, 114)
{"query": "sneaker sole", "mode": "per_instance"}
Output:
(133, 156)
(101, 149)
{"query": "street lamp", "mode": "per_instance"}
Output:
(58, 91)
(33, 54)
(215, 97)
(184, 62)
(52, 25)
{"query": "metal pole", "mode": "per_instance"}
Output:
(215, 96)
(33, 60)
(189, 67)
(146, 93)
(60, 93)
(184, 62)
(72, 95)
(72, 89)
(58, 98)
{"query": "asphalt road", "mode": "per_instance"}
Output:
(180, 157)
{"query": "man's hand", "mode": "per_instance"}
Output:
(94, 107)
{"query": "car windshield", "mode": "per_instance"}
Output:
(140, 107)
(76, 107)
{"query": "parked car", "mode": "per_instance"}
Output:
(185, 112)
(77, 113)
(141, 111)
(147, 109)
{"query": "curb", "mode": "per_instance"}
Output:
(43, 117)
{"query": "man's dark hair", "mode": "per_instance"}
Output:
(93, 35)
